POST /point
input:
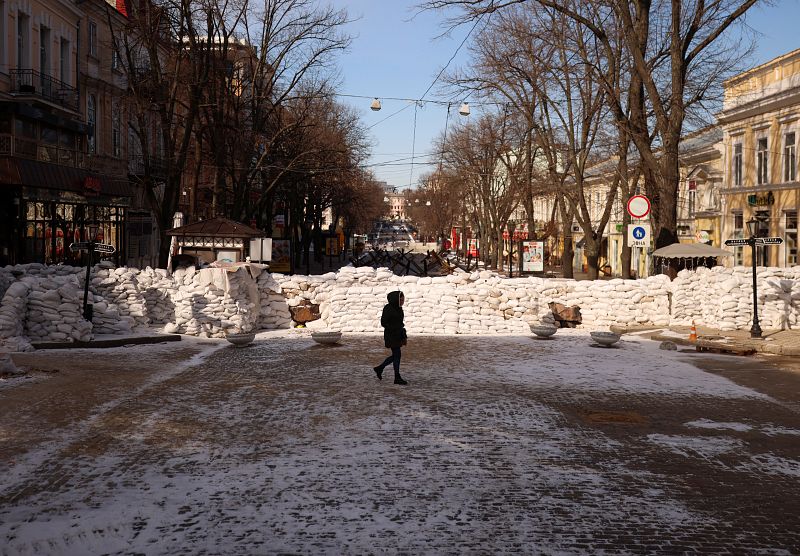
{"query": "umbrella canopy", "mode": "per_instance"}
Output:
(690, 250)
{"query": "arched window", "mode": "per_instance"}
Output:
(91, 121)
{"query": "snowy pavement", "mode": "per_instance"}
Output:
(499, 444)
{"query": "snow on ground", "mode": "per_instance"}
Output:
(287, 446)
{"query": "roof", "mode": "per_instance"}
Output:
(690, 250)
(216, 227)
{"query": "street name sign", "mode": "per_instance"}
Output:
(638, 235)
(104, 248)
(759, 241)
(98, 247)
(638, 206)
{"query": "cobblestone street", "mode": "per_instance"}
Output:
(498, 445)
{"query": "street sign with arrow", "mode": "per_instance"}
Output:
(98, 247)
(758, 241)
(105, 248)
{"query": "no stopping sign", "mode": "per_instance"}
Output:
(638, 206)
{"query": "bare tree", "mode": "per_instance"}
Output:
(489, 172)
(678, 52)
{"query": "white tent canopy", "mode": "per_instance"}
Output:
(690, 250)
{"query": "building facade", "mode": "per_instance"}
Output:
(760, 122)
(60, 169)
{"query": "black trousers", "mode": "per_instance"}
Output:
(394, 359)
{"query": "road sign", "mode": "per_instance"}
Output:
(759, 241)
(80, 246)
(104, 248)
(638, 206)
(734, 242)
(638, 235)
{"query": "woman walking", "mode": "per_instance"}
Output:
(394, 334)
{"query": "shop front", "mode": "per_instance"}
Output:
(48, 207)
(776, 210)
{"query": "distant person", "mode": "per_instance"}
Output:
(394, 334)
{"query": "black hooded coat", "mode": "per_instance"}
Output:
(394, 332)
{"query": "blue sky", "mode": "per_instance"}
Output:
(398, 53)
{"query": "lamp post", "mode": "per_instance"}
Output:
(88, 310)
(753, 228)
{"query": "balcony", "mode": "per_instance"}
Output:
(34, 150)
(28, 82)
(157, 166)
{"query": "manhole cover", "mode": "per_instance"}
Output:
(614, 417)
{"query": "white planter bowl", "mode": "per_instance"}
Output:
(242, 339)
(326, 337)
(543, 330)
(605, 339)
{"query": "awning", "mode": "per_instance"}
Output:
(690, 250)
(216, 227)
(42, 175)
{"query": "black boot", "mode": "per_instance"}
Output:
(379, 372)
(399, 379)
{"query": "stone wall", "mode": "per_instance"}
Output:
(41, 303)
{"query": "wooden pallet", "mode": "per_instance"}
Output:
(724, 350)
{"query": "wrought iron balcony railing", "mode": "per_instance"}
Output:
(34, 83)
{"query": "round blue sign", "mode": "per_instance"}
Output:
(639, 232)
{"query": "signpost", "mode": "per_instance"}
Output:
(89, 247)
(757, 241)
(753, 242)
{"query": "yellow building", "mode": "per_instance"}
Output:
(760, 122)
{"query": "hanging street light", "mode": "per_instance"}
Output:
(376, 105)
(464, 109)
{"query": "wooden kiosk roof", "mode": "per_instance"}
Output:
(216, 227)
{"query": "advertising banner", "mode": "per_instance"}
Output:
(281, 255)
(533, 256)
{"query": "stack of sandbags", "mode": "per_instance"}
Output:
(55, 310)
(13, 314)
(120, 287)
(157, 288)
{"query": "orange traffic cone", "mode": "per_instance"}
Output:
(693, 333)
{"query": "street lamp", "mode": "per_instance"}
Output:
(753, 228)
(88, 310)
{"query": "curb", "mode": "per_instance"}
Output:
(109, 342)
(759, 346)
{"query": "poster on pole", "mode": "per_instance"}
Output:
(281, 255)
(533, 256)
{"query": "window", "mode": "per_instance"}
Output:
(91, 122)
(115, 61)
(92, 38)
(692, 197)
(23, 44)
(116, 132)
(3, 39)
(44, 50)
(789, 158)
(738, 233)
(737, 164)
(63, 62)
(762, 162)
(791, 237)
